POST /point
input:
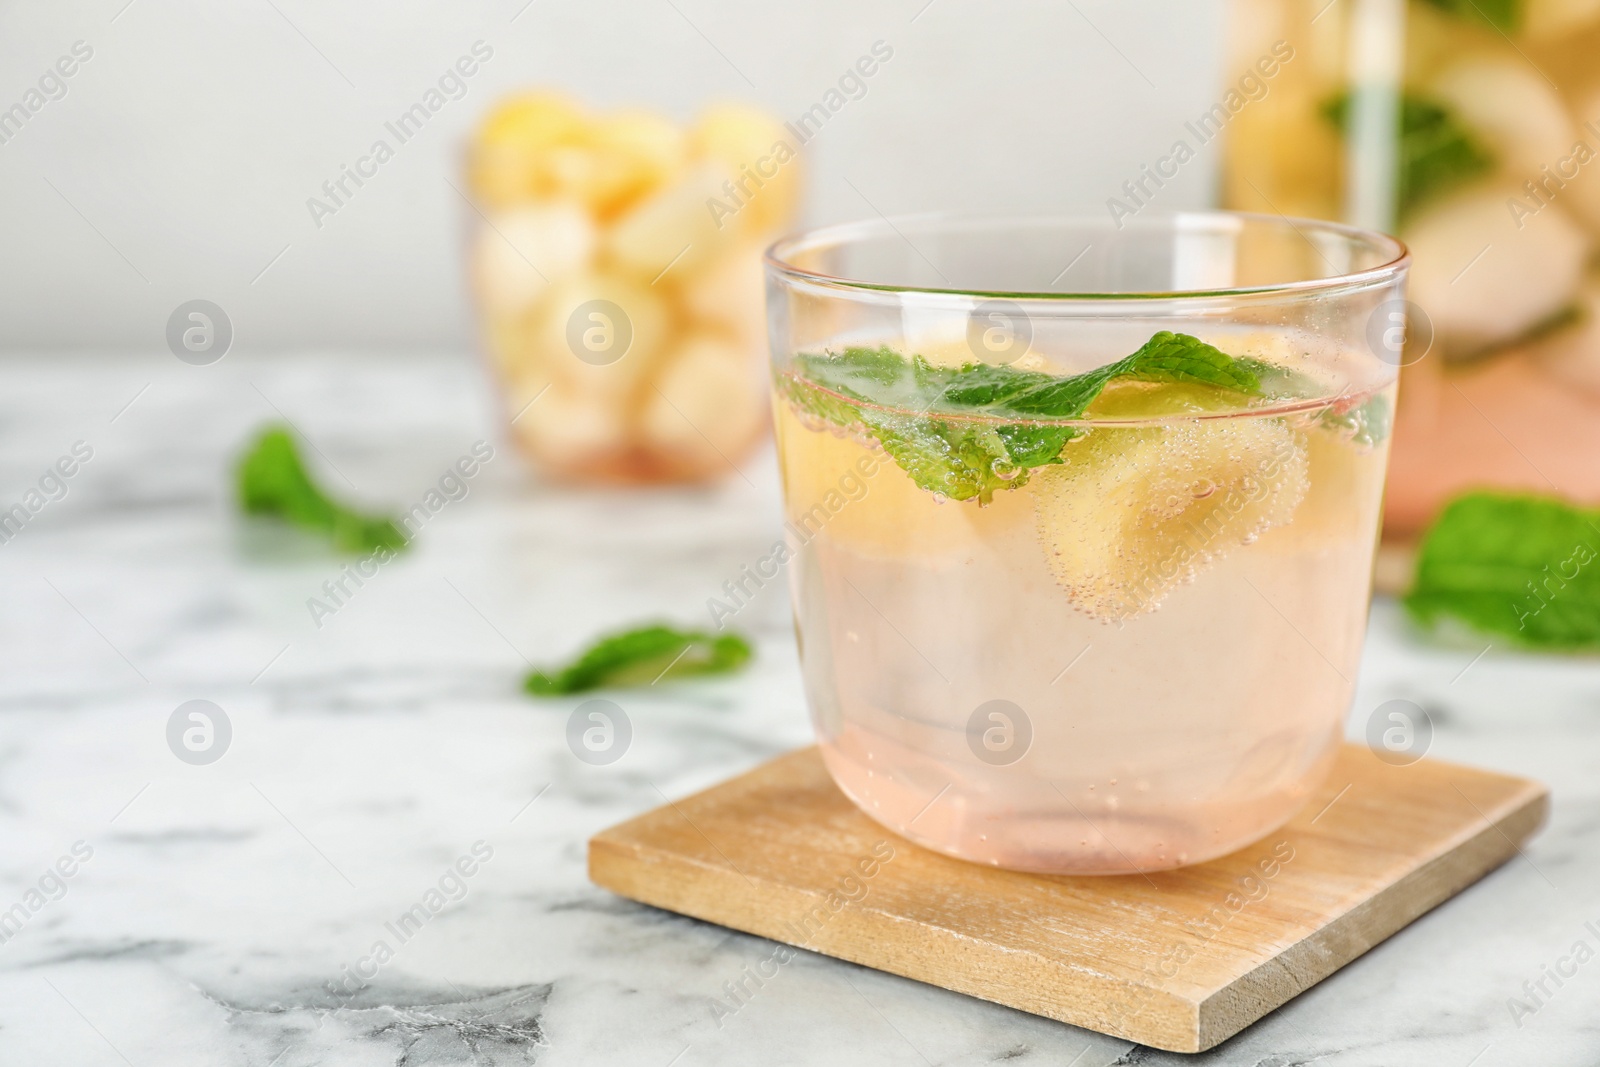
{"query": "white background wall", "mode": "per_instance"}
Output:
(179, 163)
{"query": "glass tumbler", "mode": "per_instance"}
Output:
(1081, 520)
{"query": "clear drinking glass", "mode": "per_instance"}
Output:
(1076, 623)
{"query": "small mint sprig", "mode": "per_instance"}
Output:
(273, 480)
(640, 657)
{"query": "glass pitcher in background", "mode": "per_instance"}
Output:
(1471, 129)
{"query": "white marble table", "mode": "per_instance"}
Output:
(221, 904)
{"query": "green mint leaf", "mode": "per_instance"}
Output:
(963, 461)
(1177, 357)
(642, 657)
(272, 480)
(1517, 567)
(1278, 382)
(914, 408)
(1437, 153)
(1367, 423)
(1503, 15)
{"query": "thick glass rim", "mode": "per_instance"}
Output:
(780, 255)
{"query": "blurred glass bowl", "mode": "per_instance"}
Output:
(616, 264)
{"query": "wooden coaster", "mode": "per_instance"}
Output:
(1180, 960)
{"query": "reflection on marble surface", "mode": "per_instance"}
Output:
(230, 913)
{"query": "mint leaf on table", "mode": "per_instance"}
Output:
(1503, 15)
(272, 480)
(642, 657)
(914, 408)
(1437, 152)
(1519, 567)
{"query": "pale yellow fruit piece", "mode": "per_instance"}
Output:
(672, 229)
(520, 250)
(1133, 513)
(838, 486)
(610, 163)
(568, 427)
(531, 120)
(1511, 107)
(708, 404)
(1477, 297)
(598, 332)
(1340, 508)
(1130, 400)
(729, 294)
(634, 154)
(568, 171)
(504, 163)
(756, 151)
(1546, 19)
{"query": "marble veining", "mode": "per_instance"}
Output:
(223, 909)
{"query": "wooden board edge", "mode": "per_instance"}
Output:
(628, 829)
(1351, 935)
(622, 860)
(618, 865)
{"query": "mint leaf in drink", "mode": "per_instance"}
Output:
(273, 480)
(914, 408)
(1437, 152)
(1503, 15)
(1167, 357)
(963, 461)
(642, 657)
(1516, 567)
(1367, 423)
